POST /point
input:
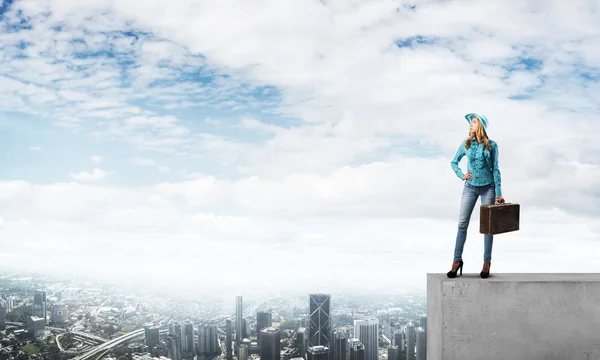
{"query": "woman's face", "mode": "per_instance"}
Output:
(474, 125)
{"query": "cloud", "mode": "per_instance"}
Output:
(96, 159)
(95, 175)
(309, 127)
(149, 163)
(130, 219)
(35, 148)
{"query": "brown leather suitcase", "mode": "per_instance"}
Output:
(499, 218)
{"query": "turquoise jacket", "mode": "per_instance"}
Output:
(483, 164)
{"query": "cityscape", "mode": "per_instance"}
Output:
(42, 318)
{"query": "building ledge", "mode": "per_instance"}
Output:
(513, 316)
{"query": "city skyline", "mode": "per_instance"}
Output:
(112, 321)
(306, 146)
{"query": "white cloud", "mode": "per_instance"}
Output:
(95, 175)
(35, 148)
(150, 163)
(92, 221)
(97, 159)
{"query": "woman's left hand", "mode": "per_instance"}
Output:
(499, 199)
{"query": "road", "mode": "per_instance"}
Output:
(88, 342)
(252, 310)
(109, 345)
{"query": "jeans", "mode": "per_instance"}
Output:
(469, 198)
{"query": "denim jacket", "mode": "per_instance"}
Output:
(482, 164)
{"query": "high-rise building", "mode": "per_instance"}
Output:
(423, 322)
(341, 346)
(320, 320)
(228, 339)
(36, 326)
(152, 334)
(187, 341)
(270, 344)
(174, 342)
(411, 341)
(10, 304)
(60, 313)
(399, 341)
(239, 309)
(357, 350)
(318, 352)
(421, 346)
(367, 331)
(176, 329)
(174, 346)
(39, 305)
(3, 312)
(207, 340)
(244, 329)
(393, 353)
(243, 352)
(263, 321)
(301, 341)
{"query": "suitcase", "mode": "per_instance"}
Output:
(499, 218)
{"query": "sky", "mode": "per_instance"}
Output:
(300, 144)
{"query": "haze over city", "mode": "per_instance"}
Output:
(233, 146)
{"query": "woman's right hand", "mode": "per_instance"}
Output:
(468, 176)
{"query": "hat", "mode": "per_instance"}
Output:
(481, 118)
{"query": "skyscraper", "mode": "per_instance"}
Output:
(175, 329)
(410, 338)
(319, 320)
(421, 346)
(152, 334)
(367, 331)
(36, 326)
(393, 353)
(207, 340)
(341, 346)
(243, 352)
(270, 344)
(244, 329)
(228, 339)
(357, 350)
(187, 341)
(174, 346)
(238, 320)
(2, 314)
(263, 320)
(39, 305)
(60, 313)
(301, 342)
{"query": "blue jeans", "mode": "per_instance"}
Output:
(469, 198)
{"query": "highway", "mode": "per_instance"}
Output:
(109, 345)
(89, 342)
(24, 324)
(252, 310)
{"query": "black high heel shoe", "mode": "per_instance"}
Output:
(452, 274)
(485, 274)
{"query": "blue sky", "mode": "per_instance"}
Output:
(264, 132)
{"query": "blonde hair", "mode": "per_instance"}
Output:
(479, 133)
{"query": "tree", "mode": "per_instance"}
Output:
(19, 314)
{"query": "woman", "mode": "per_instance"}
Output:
(482, 179)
